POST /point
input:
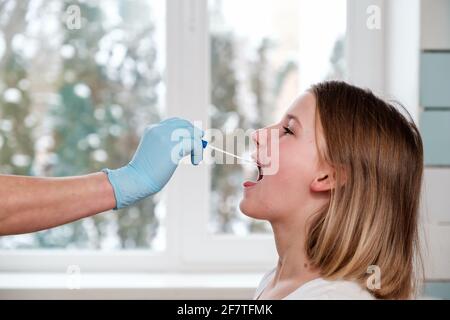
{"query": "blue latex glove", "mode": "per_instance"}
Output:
(161, 148)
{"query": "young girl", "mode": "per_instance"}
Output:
(344, 202)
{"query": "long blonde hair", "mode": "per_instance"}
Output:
(372, 216)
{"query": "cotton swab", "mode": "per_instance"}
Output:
(205, 144)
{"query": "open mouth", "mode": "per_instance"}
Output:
(252, 182)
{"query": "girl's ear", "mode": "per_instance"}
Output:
(324, 182)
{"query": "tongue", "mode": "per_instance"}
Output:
(249, 184)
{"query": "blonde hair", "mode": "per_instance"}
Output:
(372, 216)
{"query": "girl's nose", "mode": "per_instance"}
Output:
(263, 148)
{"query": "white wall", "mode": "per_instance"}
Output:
(365, 47)
(402, 52)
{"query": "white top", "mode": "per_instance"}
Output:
(321, 289)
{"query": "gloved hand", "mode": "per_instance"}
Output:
(161, 148)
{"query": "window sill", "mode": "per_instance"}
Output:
(151, 286)
(129, 285)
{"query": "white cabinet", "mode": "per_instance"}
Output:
(435, 211)
(435, 204)
(434, 87)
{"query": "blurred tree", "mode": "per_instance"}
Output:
(263, 85)
(107, 97)
(107, 86)
(16, 143)
(224, 105)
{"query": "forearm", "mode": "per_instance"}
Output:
(31, 204)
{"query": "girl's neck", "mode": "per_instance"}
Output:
(293, 264)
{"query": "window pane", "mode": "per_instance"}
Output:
(264, 53)
(75, 96)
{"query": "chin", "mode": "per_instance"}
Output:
(252, 210)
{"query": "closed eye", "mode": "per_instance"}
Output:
(287, 130)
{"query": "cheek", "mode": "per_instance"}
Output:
(296, 172)
(297, 166)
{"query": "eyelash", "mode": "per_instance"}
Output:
(287, 130)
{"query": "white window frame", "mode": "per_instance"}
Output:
(189, 246)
